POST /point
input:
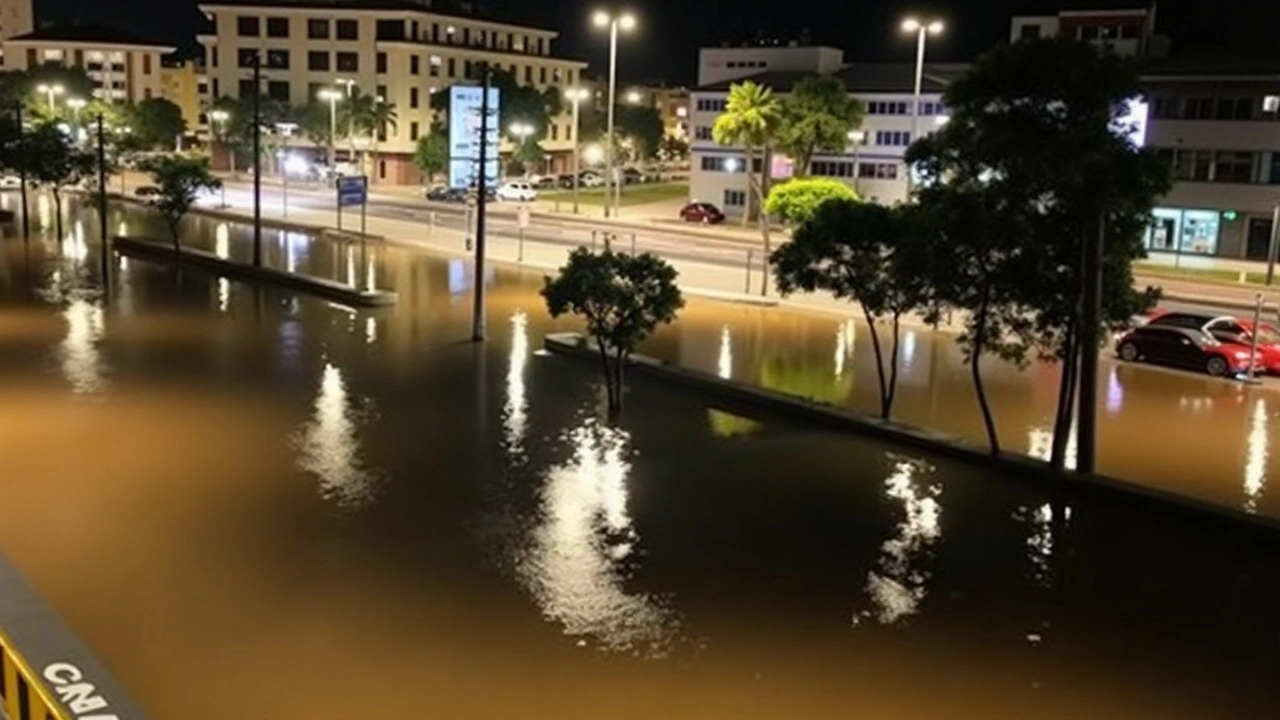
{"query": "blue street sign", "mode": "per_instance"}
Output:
(352, 190)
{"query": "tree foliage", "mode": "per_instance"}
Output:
(750, 121)
(622, 298)
(52, 158)
(181, 180)
(816, 117)
(1035, 156)
(797, 200)
(22, 86)
(431, 154)
(673, 149)
(869, 254)
(156, 122)
(643, 127)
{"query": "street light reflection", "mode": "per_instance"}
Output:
(330, 449)
(1040, 445)
(222, 241)
(846, 335)
(514, 417)
(724, 363)
(900, 584)
(81, 360)
(1257, 451)
(582, 551)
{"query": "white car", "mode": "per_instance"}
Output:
(10, 182)
(590, 179)
(517, 192)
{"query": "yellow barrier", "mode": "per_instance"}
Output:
(22, 694)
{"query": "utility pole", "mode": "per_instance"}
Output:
(1091, 317)
(102, 209)
(477, 318)
(22, 172)
(257, 161)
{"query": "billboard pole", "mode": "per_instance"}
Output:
(477, 318)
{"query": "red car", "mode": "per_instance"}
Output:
(1229, 329)
(1190, 349)
(701, 212)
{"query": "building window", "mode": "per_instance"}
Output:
(415, 62)
(146, 93)
(555, 76)
(1029, 32)
(413, 30)
(711, 105)
(348, 62)
(278, 90)
(717, 163)
(247, 57)
(348, 30)
(318, 29)
(893, 138)
(1234, 109)
(452, 68)
(381, 94)
(380, 60)
(318, 61)
(1233, 167)
(528, 74)
(213, 56)
(881, 107)
(246, 89)
(278, 59)
(390, 30)
(1128, 32)
(1193, 165)
(215, 92)
(735, 198)
(313, 90)
(52, 55)
(702, 132)
(247, 26)
(542, 75)
(1188, 231)
(831, 168)
(413, 129)
(278, 27)
(555, 132)
(433, 66)
(413, 97)
(1198, 109)
(202, 88)
(146, 64)
(466, 36)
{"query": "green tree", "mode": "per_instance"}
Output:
(643, 125)
(181, 180)
(1039, 123)
(156, 122)
(23, 86)
(431, 154)
(315, 123)
(673, 149)
(623, 299)
(868, 254)
(750, 121)
(796, 200)
(371, 116)
(53, 159)
(817, 117)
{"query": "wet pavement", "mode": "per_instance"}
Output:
(322, 513)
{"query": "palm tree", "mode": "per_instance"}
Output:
(370, 115)
(750, 120)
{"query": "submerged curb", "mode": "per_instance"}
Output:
(1017, 466)
(321, 287)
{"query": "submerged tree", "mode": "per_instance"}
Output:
(623, 299)
(181, 180)
(51, 158)
(868, 254)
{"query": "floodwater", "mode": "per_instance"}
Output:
(254, 504)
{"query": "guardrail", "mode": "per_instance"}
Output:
(22, 694)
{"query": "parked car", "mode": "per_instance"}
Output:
(565, 181)
(701, 212)
(1227, 328)
(632, 176)
(590, 179)
(546, 182)
(150, 193)
(10, 182)
(1185, 348)
(517, 191)
(444, 193)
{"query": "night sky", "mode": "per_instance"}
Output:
(671, 31)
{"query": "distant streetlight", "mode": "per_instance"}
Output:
(922, 29)
(285, 129)
(351, 120)
(634, 97)
(626, 21)
(576, 96)
(857, 138)
(51, 91)
(332, 97)
(521, 132)
(594, 154)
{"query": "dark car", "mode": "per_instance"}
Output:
(1227, 328)
(444, 193)
(632, 176)
(1184, 348)
(701, 212)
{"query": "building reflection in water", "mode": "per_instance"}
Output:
(44, 211)
(75, 248)
(514, 412)
(330, 449)
(582, 551)
(724, 361)
(81, 360)
(1115, 391)
(1257, 450)
(1040, 540)
(370, 330)
(222, 241)
(351, 266)
(900, 582)
(846, 335)
(1040, 445)
(369, 278)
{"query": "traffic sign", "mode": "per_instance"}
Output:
(353, 190)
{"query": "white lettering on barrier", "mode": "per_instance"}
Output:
(81, 697)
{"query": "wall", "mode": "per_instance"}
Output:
(714, 63)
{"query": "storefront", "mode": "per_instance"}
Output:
(1190, 232)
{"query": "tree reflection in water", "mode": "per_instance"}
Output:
(582, 550)
(900, 583)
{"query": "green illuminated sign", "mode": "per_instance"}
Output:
(1229, 215)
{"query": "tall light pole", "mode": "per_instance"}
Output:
(50, 91)
(922, 29)
(351, 118)
(857, 138)
(220, 118)
(286, 130)
(626, 21)
(521, 132)
(76, 104)
(332, 97)
(576, 96)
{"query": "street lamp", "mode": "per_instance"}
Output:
(634, 97)
(922, 29)
(576, 96)
(220, 118)
(332, 97)
(50, 91)
(626, 21)
(351, 119)
(76, 104)
(521, 132)
(857, 138)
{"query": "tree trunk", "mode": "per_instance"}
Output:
(1066, 401)
(608, 372)
(975, 357)
(893, 365)
(173, 233)
(875, 346)
(750, 153)
(57, 212)
(620, 362)
(762, 189)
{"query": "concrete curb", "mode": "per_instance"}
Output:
(1016, 466)
(328, 289)
(239, 216)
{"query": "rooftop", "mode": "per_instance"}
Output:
(1213, 66)
(858, 77)
(88, 35)
(371, 5)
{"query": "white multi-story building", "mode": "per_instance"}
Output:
(875, 168)
(398, 50)
(122, 67)
(17, 17)
(1128, 32)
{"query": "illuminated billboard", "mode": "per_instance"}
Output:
(465, 103)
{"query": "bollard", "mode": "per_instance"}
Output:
(633, 244)
(750, 253)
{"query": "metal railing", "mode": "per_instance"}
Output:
(23, 695)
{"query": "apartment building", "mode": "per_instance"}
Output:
(123, 67)
(875, 167)
(400, 51)
(183, 83)
(17, 17)
(1128, 32)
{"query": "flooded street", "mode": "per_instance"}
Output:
(248, 500)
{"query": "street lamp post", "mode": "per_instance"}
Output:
(219, 118)
(286, 130)
(922, 29)
(625, 21)
(50, 91)
(521, 132)
(332, 96)
(856, 138)
(351, 118)
(576, 96)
